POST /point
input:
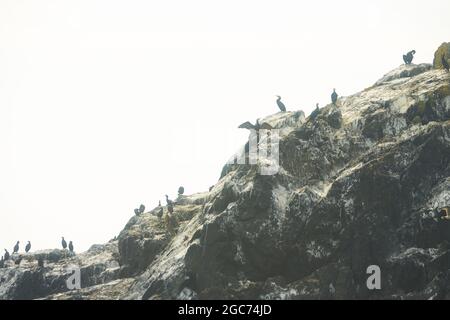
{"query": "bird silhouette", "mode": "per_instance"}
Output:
(7, 255)
(445, 62)
(28, 247)
(70, 246)
(250, 126)
(408, 58)
(141, 209)
(169, 202)
(136, 211)
(334, 96)
(315, 113)
(281, 104)
(16, 247)
(160, 211)
(64, 243)
(181, 190)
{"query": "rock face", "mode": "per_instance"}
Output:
(444, 49)
(357, 186)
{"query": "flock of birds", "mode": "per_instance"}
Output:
(160, 212)
(7, 256)
(407, 58)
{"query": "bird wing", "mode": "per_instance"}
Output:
(281, 106)
(247, 125)
(405, 58)
(266, 126)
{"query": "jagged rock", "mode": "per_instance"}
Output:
(356, 187)
(403, 72)
(443, 49)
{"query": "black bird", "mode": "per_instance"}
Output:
(169, 202)
(181, 191)
(6, 255)
(141, 209)
(136, 211)
(64, 243)
(28, 247)
(2, 263)
(281, 104)
(70, 246)
(160, 211)
(315, 113)
(334, 96)
(445, 62)
(16, 247)
(408, 58)
(248, 125)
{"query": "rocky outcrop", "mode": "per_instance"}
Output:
(443, 50)
(357, 186)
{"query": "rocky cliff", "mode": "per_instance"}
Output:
(357, 186)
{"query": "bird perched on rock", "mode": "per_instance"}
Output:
(249, 126)
(28, 247)
(181, 191)
(70, 246)
(16, 247)
(141, 209)
(136, 211)
(445, 62)
(334, 96)
(64, 243)
(6, 255)
(2, 263)
(408, 58)
(315, 113)
(168, 201)
(160, 211)
(281, 104)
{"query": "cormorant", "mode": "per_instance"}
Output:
(160, 211)
(64, 243)
(408, 58)
(2, 263)
(141, 209)
(181, 191)
(16, 247)
(136, 211)
(169, 202)
(315, 113)
(70, 246)
(248, 125)
(445, 62)
(6, 255)
(281, 104)
(28, 247)
(334, 96)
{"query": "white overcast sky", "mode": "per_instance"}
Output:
(108, 104)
